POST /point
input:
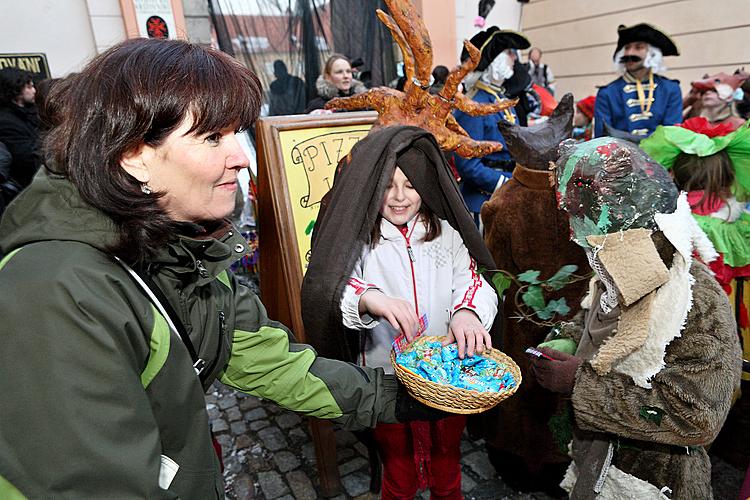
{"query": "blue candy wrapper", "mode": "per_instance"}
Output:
(433, 361)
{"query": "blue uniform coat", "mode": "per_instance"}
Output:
(478, 181)
(617, 105)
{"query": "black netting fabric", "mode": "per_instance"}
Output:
(359, 34)
(261, 32)
(302, 34)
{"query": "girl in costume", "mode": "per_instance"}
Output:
(395, 250)
(712, 164)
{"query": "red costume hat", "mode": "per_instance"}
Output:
(586, 106)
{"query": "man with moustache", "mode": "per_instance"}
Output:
(639, 100)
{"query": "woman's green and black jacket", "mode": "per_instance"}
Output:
(100, 400)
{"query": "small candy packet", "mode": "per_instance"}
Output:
(400, 342)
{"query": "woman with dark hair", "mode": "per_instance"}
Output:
(124, 246)
(336, 81)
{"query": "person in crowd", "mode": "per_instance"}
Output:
(287, 94)
(525, 231)
(743, 104)
(480, 177)
(540, 73)
(361, 73)
(519, 86)
(641, 99)
(411, 263)
(19, 129)
(713, 98)
(710, 163)
(583, 120)
(745, 489)
(118, 307)
(336, 81)
(439, 75)
(656, 355)
(6, 159)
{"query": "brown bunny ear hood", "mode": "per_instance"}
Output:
(347, 215)
(534, 147)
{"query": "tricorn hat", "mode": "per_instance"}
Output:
(646, 33)
(492, 41)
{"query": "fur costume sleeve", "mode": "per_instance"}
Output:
(570, 330)
(690, 397)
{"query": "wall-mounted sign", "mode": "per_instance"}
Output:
(155, 18)
(35, 63)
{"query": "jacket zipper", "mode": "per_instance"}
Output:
(410, 252)
(201, 269)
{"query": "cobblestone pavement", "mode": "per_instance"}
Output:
(268, 454)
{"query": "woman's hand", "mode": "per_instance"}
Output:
(399, 313)
(321, 112)
(467, 331)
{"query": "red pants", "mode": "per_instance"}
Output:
(442, 443)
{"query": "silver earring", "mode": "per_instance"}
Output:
(146, 189)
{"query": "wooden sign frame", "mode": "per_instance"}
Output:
(281, 270)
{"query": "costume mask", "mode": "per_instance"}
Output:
(500, 70)
(608, 185)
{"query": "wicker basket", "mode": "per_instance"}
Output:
(452, 399)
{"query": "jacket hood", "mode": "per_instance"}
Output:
(328, 91)
(51, 209)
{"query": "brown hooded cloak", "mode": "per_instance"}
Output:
(348, 213)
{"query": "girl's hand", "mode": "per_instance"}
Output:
(399, 313)
(467, 331)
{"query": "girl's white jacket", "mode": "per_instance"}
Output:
(438, 278)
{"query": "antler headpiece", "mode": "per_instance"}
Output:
(415, 105)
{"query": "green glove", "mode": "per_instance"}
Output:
(568, 346)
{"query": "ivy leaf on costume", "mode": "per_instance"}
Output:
(530, 277)
(501, 281)
(545, 313)
(561, 277)
(559, 306)
(533, 297)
